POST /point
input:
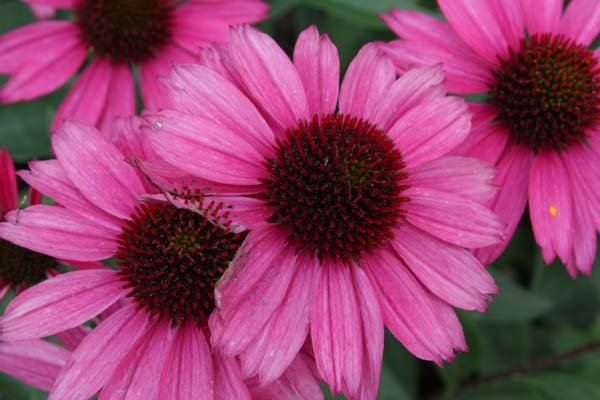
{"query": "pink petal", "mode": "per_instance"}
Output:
(366, 82)
(200, 91)
(8, 183)
(542, 16)
(138, 373)
(229, 383)
(178, 138)
(550, 206)
(71, 338)
(56, 3)
(244, 314)
(318, 65)
(581, 21)
(58, 54)
(584, 238)
(336, 329)
(216, 57)
(373, 333)
(35, 362)
(426, 325)
(95, 360)
(188, 370)
(486, 142)
(120, 101)
(59, 233)
(466, 177)
(430, 130)
(452, 218)
(510, 200)
(42, 11)
(60, 303)
(429, 41)
(479, 25)
(416, 86)
(510, 17)
(97, 168)
(129, 137)
(50, 178)
(296, 383)
(450, 272)
(268, 76)
(272, 351)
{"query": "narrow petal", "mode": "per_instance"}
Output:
(452, 218)
(478, 24)
(138, 373)
(97, 168)
(584, 238)
(431, 130)
(366, 82)
(8, 183)
(120, 101)
(268, 76)
(34, 362)
(550, 206)
(416, 86)
(60, 303)
(466, 177)
(581, 21)
(318, 65)
(424, 324)
(450, 272)
(542, 16)
(202, 92)
(178, 138)
(510, 200)
(71, 338)
(59, 233)
(229, 383)
(58, 54)
(50, 178)
(94, 361)
(283, 336)
(430, 41)
(336, 330)
(188, 370)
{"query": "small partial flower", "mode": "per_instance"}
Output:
(358, 217)
(147, 34)
(540, 124)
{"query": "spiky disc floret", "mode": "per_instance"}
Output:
(335, 185)
(124, 31)
(548, 92)
(171, 258)
(19, 265)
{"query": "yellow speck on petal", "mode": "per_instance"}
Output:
(552, 210)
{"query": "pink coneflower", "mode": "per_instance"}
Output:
(118, 34)
(357, 219)
(156, 344)
(540, 123)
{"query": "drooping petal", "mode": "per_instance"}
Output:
(430, 130)
(99, 354)
(268, 76)
(229, 382)
(97, 168)
(283, 336)
(550, 206)
(450, 272)
(59, 233)
(336, 330)
(188, 369)
(318, 65)
(429, 41)
(424, 324)
(226, 157)
(542, 16)
(367, 80)
(581, 21)
(8, 183)
(58, 54)
(452, 218)
(60, 303)
(35, 362)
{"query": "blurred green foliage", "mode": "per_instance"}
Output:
(540, 311)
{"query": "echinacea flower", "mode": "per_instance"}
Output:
(149, 34)
(156, 343)
(357, 218)
(541, 123)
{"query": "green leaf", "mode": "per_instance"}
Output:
(558, 386)
(509, 390)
